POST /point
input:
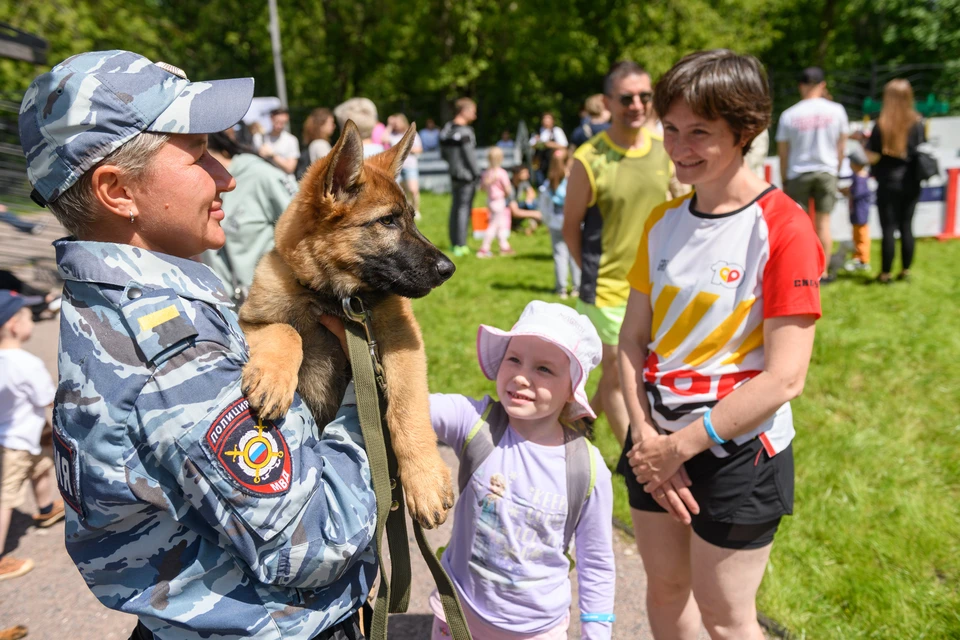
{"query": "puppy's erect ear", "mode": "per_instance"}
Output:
(345, 167)
(392, 159)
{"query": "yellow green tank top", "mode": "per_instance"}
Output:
(627, 184)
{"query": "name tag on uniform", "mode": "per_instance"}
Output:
(67, 466)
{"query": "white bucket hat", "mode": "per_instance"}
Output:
(557, 324)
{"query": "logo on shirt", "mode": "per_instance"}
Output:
(252, 452)
(727, 274)
(663, 265)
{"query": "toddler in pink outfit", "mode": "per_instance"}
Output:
(496, 182)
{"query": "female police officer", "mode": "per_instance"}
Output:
(185, 510)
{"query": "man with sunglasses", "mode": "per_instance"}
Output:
(617, 178)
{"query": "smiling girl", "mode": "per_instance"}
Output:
(716, 342)
(518, 505)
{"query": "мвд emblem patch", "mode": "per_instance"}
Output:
(253, 454)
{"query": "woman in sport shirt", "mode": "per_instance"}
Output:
(716, 341)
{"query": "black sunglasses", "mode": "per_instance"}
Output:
(626, 99)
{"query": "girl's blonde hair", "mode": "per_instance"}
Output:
(580, 425)
(495, 157)
(559, 163)
(897, 117)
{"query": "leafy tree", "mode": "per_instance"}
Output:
(517, 58)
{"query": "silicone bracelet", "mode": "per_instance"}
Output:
(597, 617)
(708, 425)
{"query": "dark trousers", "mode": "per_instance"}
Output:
(349, 629)
(896, 209)
(462, 192)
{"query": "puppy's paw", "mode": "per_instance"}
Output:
(428, 490)
(268, 388)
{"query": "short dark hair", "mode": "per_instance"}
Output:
(463, 103)
(620, 70)
(279, 111)
(719, 84)
(223, 142)
(811, 75)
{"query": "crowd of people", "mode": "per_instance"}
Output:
(699, 306)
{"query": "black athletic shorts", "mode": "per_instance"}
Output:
(349, 629)
(742, 497)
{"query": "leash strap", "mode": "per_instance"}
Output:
(394, 592)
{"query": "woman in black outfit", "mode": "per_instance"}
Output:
(892, 150)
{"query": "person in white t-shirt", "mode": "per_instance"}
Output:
(545, 142)
(811, 143)
(280, 145)
(26, 389)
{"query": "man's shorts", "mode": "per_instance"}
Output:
(819, 185)
(742, 497)
(16, 467)
(607, 320)
(409, 173)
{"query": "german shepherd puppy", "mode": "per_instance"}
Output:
(350, 232)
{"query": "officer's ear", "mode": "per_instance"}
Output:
(112, 191)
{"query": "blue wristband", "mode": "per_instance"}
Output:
(597, 617)
(708, 425)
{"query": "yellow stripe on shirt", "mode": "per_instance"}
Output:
(157, 318)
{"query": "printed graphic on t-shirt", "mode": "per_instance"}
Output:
(513, 529)
(727, 274)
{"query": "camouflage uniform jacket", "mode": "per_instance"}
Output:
(184, 511)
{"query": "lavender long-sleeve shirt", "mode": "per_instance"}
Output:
(506, 554)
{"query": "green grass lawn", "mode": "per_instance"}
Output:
(873, 548)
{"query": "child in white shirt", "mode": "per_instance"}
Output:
(26, 389)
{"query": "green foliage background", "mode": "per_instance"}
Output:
(516, 57)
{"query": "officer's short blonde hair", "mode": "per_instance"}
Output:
(76, 207)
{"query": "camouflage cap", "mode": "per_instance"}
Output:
(84, 108)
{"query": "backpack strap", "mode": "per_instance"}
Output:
(581, 477)
(481, 441)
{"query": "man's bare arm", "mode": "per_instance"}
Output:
(579, 195)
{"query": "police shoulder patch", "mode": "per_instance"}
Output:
(67, 466)
(253, 453)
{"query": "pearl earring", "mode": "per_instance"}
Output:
(131, 217)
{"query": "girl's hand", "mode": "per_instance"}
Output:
(654, 460)
(675, 497)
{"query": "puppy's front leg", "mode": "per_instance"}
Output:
(270, 377)
(423, 473)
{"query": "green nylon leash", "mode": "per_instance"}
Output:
(393, 595)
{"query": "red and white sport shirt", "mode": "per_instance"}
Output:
(712, 280)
